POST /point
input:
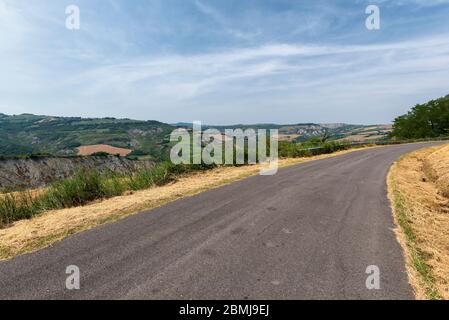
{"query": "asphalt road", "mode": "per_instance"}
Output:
(309, 232)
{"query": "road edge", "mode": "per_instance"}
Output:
(419, 272)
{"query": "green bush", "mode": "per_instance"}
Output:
(309, 148)
(428, 120)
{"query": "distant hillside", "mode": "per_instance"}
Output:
(27, 134)
(305, 131)
(32, 134)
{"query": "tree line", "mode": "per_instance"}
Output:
(428, 120)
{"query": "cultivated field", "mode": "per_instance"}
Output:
(89, 150)
(370, 133)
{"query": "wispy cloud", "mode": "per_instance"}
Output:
(145, 61)
(294, 71)
(222, 22)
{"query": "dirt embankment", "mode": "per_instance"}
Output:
(419, 190)
(436, 167)
(31, 173)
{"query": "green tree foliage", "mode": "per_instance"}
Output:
(427, 120)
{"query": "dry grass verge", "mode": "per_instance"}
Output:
(30, 235)
(436, 166)
(418, 191)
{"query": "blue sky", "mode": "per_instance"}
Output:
(223, 61)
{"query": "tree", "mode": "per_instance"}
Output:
(427, 120)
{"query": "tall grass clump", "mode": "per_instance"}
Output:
(114, 185)
(15, 207)
(161, 174)
(85, 186)
(145, 178)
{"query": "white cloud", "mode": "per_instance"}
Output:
(220, 19)
(267, 74)
(90, 73)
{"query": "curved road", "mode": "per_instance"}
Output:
(309, 232)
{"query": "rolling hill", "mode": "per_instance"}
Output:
(31, 134)
(305, 131)
(35, 134)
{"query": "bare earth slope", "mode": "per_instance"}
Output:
(308, 232)
(27, 173)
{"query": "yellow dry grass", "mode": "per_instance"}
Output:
(416, 187)
(43, 230)
(32, 192)
(88, 150)
(437, 166)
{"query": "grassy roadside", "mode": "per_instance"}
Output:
(425, 282)
(84, 187)
(51, 226)
(420, 212)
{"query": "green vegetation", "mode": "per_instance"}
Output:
(428, 120)
(311, 147)
(86, 186)
(28, 134)
(15, 207)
